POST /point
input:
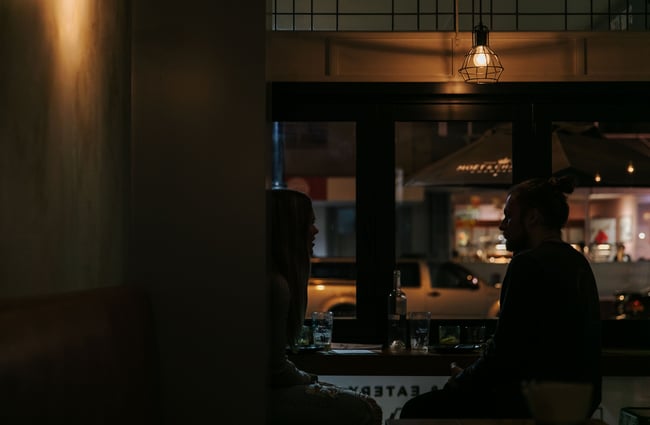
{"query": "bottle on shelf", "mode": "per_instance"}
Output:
(397, 324)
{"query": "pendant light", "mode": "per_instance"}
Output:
(481, 64)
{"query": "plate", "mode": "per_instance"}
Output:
(456, 349)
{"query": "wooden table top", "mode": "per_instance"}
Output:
(353, 360)
(474, 422)
(459, 422)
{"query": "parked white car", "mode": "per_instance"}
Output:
(447, 289)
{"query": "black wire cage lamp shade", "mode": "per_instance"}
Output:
(481, 64)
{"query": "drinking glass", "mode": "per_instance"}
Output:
(419, 326)
(448, 334)
(322, 323)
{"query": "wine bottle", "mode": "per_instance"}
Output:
(397, 325)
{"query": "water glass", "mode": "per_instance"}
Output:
(475, 334)
(419, 326)
(449, 334)
(304, 340)
(322, 323)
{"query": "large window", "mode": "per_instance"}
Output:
(411, 199)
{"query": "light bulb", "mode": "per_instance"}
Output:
(481, 58)
(630, 167)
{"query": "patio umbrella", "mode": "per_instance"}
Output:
(576, 149)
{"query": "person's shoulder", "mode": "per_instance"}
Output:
(556, 248)
(570, 252)
(523, 261)
(563, 254)
(523, 256)
(545, 253)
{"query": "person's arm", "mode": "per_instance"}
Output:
(515, 328)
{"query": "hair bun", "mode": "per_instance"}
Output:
(564, 184)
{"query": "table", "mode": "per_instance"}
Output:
(473, 422)
(375, 362)
(459, 422)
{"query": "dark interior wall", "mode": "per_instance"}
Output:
(64, 94)
(199, 165)
(184, 174)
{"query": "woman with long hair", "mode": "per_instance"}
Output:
(296, 396)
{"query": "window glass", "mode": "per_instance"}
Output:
(446, 278)
(451, 179)
(318, 158)
(334, 270)
(409, 274)
(610, 209)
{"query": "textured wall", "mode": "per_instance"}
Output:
(64, 93)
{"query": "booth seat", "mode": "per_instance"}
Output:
(85, 357)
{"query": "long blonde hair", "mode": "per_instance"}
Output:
(290, 216)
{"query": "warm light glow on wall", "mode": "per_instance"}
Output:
(71, 27)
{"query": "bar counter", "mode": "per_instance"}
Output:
(375, 362)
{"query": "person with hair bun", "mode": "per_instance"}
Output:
(549, 326)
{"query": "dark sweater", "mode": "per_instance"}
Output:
(549, 329)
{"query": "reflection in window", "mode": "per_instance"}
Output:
(454, 175)
(447, 216)
(319, 159)
(612, 164)
(609, 208)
